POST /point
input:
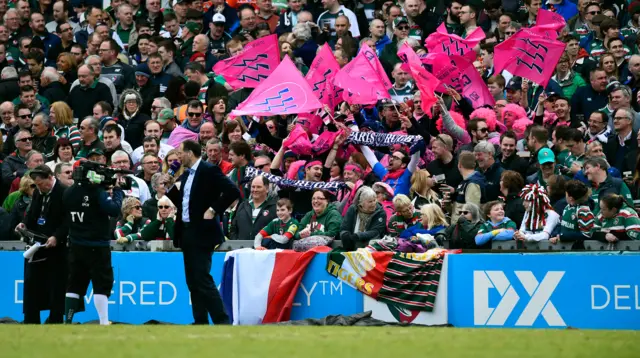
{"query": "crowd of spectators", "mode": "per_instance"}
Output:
(123, 85)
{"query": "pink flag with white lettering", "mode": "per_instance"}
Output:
(426, 82)
(320, 76)
(529, 55)
(442, 41)
(253, 65)
(456, 72)
(549, 24)
(284, 92)
(361, 82)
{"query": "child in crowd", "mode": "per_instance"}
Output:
(497, 228)
(405, 216)
(619, 221)
(433, 222)
(279, 232)
(540, 220)
(578, 221)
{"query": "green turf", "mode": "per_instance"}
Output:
(309, 342)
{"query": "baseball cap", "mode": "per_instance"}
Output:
(165, 115)
(515, 84)
(398, 20)
(218, 18)
(545, 155)
(612, 87)
(634, 8)
(388, 102)
(193, 27)
(95, 151)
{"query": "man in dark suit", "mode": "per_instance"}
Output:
(45, 275)
(204, 193)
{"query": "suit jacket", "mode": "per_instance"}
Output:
(55, 219)
(209, 189)
(611, 151)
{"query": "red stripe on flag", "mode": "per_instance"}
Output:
(288, 270)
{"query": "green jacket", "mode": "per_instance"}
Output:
(326, 224)
(132, 231)
(578, 223)
(625, 225)
(570, 84)
(389, 57)
(397, 224)
(158, 230)
(185, 52)
(11, 200)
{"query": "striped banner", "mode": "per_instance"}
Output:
(407, 280)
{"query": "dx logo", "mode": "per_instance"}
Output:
(539, 298)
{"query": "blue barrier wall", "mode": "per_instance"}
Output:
(151, 285)
(484, 290)
(545, 290)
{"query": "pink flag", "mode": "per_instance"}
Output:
(320, 76)
(361, 82)
(425, 81)
(370, 55)
(549, 24)
(529, 55)
(310, 121)
(253, 65)
(284, 92)
(442, 41)
(456, 72)
(298, 141)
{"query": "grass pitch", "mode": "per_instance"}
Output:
(309, 342)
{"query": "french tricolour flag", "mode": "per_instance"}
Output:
(259, 286)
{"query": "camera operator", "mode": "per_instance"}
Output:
(45, 274)
(88, 208)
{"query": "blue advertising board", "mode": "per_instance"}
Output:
(151, 285)
(544, 291)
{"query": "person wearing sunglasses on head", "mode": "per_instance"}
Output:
(130, 227)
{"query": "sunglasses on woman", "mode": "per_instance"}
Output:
(163, 206)
(463, 212)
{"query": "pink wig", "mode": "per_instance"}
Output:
(457, 117)
(488, 114)
(515, 110)
(520, 125)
